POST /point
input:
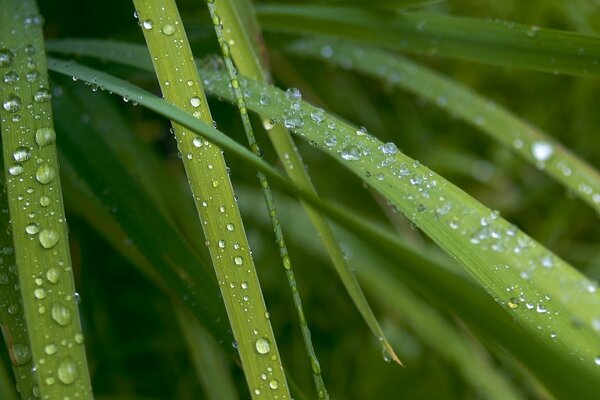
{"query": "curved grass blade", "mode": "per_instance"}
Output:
(570, 328)
(36, 208)
(12, 319)
(529, 142)
(245, 54)
(214, 199)
(220, 27)
(491, 42)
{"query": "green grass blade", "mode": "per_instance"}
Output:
(214, 199)
(36, 208)
(227, 25)
(12, 319)
(521, 342)
(532, 144)
(245, 55)
(491, 42)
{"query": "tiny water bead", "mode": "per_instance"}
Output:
(274, 384)
(21, 354)
(195, 101)
(10, 78)
(53, 275)
(67, 371)
(45, 201)
(51, 349)
(39, 293)
(45, 174)
(42, 95)
(168, 29)
(21, 154)
(45, 136)
(12, 103)
(15, 169)
(6, 58)
(61, 314)
(230, 227)
(48, 238)
(351, 153)
(262, 345)
(147, 24)
(32, 228)
(238, 260)
(542, 150)
(293, 94)
(389, 149)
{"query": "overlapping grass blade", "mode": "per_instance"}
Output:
(215, 201)
(487, 41)
(529, 142)
(35, 202)
(231, 24)
(550, 312)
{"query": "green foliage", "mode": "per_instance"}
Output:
(474, 306)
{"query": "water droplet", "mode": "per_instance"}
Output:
(330, 141)
(51, 349)
(542, 150)
(53, 275)
(244, 285)
(45, 174)
(45, 201)
(48, 238)
(21, 354)
(274, 384)
(262, 345)
(45, 136)
(32, 228)
(513, 303)
(67, 371)
(197, 142)
(32, 75)
(42, 95)
(230, 227)
(238, 260)
(293, 94)
(221, 244)
(597, 360)
(147, 24)
(10, 78)
(6, 58)
(351, 153)
(12, 103)
(15, 169)
(318, 115)
(21, 154)
(78, 338)
(195, 101)
(287, 264)
(61, 314)
(389, 149)
(168, 29)
(39, 293)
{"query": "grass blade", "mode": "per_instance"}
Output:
(500, 124)
(571, 326)
(36, 208)
(214, 199)
(491, 42)
(227, 25)
(245, 54)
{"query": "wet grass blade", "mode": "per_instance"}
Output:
(529, 142)
(36, 208)
(12, 319)
(545, 295)
(215, 200)
(246, 56)
(231, 25)
(491, 42)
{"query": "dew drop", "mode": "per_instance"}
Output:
(238, 260)
(78, 338)
(61, 314)
(147, 24)
(513, 303)
(45, 136)
(351, 153)
(42, 95)
(10, 78)
(195, 101)
(597, 360)
(21, 154)
(48, 238)
(51, 349)
(32, 228)
(244, 285)
(230, 227)
(274, 384)
(318, 115)
(15, 169)
(330, 141)
(12, 103)
(6, 58)
(262, 345)
(67, 371)
(168, 29)
(45, 174)
(293, 94)
(542, 150)
(197, 142)
(39, 293)
(21, 354)
(221, 244)
(389, 149)
(53, 275)
(44, 201)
